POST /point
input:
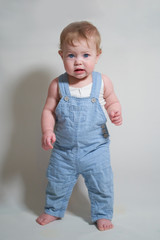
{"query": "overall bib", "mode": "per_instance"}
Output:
(81, 147)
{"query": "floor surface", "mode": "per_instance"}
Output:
(19, 223)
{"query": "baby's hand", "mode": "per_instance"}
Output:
(48, 139)
(116, 117)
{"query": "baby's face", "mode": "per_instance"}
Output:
(79, 60)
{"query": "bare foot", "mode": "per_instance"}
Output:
(104, 224)
(45, 219)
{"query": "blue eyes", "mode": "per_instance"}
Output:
(86, 55)
(71, 56)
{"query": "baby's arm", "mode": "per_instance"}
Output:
(48, 116)
(112, 105)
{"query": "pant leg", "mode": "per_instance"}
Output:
(61, 180)
(99, 181)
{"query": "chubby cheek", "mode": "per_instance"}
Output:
(90, 66)
(67, 66)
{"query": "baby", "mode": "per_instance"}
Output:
(74, 127)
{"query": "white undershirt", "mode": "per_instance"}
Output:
(86, 91)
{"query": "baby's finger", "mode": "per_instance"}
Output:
(117, 113)
(48, 142)
(53, 139)
(118, 122)
(112, 114)
(115, 118)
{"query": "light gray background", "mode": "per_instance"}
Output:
(29, 37)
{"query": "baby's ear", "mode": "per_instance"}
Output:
(98, 55)
(100, 51)
(60, 53)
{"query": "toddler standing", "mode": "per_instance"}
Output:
(74, 127)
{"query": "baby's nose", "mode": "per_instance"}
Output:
(78, 61)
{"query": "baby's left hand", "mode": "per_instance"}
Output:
(116, 117)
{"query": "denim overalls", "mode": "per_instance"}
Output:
(81, 147)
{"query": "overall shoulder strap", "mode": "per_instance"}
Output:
(96, 86)
(64, 85)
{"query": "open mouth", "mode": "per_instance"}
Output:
(79, 70)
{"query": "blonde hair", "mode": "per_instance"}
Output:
(80, 30)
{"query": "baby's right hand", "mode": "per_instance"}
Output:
(48, 139)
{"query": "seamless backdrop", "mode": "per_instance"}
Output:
(29, 60)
